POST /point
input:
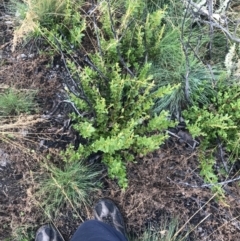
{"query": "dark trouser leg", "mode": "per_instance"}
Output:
(94, 230)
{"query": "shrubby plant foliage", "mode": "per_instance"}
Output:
(120, 93)
(216, 122)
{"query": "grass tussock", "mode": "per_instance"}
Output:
(15, 102)
(71, 185)
(166, 231)
(44, 18)
(16, 118)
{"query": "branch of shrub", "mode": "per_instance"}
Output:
(125, 30)
(60, 103)
(90, 64)
(115, 37)
(185, 141)
(186, 56)
(84, 59)
(211, 30)
(221, 154)
(230, 36)
(213, 20)
(80, 92)
(202, 10)
(78, 87)
(205, 185)
(91, 12)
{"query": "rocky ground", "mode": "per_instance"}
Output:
(162, 185)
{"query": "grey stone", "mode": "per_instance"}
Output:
(4, 158)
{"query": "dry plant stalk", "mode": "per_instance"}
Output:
(27, 26)
(12, 124)
(20, 121)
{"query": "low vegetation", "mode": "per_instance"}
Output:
(119, 96)
(49, 20)
(15, 102)
(149, 64)
(167, 231)
(73, 184)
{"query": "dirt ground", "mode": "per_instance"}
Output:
(161, 185)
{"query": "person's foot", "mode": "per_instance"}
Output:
(48, 233)
(106, 211)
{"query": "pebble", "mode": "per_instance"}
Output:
(9, 22)
(200, 229)
(22, 56)
(4, 158)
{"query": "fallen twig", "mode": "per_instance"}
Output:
(180, 138)
(206, 185)
(58, 105)
(221, 155)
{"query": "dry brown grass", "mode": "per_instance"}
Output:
(16, 130)
(28, 25)
(40, 13)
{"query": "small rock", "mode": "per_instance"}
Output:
(24, 132)
(4, 158)
(200, 229)
(41, 143)
(9, 22)
(22, 56)
(31, 56)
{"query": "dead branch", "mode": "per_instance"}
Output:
(216, 19)
(205, 185)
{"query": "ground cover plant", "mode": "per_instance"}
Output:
(18, 109)
(15, 102)
(119, 95)
(48, 19)
(217, 123)
(73, 184)
(204, 71)
(167, 231)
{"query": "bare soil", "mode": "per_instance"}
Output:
(160, 184)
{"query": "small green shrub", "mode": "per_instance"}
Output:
(120, 92)
(15, 102)
(217, 121)
(73, 184)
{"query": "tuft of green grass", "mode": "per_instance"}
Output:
(15, 102)
(73, 184)
(167, 231)
(201, 86)
(22, 233)
(181, 59)
(49, 19)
